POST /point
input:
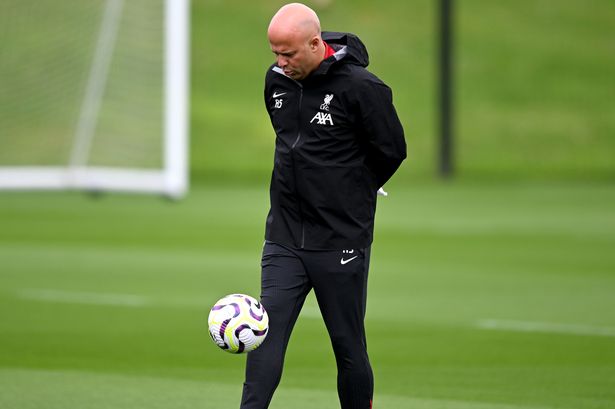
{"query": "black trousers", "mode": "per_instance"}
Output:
(339, 280)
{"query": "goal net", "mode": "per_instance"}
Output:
(94, 95)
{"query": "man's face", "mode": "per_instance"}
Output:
(294, 55)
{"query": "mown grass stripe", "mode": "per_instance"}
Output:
(545, 327)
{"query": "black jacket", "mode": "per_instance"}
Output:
(338, 140)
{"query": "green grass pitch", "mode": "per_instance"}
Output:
(481, 296)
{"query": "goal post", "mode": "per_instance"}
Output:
(94, 95)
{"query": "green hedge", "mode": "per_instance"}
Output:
(534, 85)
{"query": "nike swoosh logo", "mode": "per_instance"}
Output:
(342, 261)
(275, 94)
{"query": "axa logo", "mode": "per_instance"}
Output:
(323, 118)
(325, 105)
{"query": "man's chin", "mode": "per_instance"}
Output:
(294, 75)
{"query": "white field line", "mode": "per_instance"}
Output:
(68, 297)
(110, 299)
(128, 300)
(545, 327)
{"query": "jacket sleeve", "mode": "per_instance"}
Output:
(381, 129)
(267, 91)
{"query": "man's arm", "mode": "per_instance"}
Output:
(382, 128)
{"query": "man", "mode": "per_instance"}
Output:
(338, 139)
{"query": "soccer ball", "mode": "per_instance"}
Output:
(238, 323)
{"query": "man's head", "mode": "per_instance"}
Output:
(294, 37)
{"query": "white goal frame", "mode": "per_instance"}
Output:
(172, 179)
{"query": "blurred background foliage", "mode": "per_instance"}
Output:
(534, 97)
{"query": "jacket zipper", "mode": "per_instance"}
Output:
(292, 155)
(293, 147)
(299, 116)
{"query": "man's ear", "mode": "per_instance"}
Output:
(314, 43)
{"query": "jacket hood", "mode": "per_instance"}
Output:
(356, 53)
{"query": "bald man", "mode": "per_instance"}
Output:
(338, 139)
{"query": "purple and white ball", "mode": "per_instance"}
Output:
(238, 323)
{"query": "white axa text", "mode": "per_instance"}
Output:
(323, 119)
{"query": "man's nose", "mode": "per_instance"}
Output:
(282, 61)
